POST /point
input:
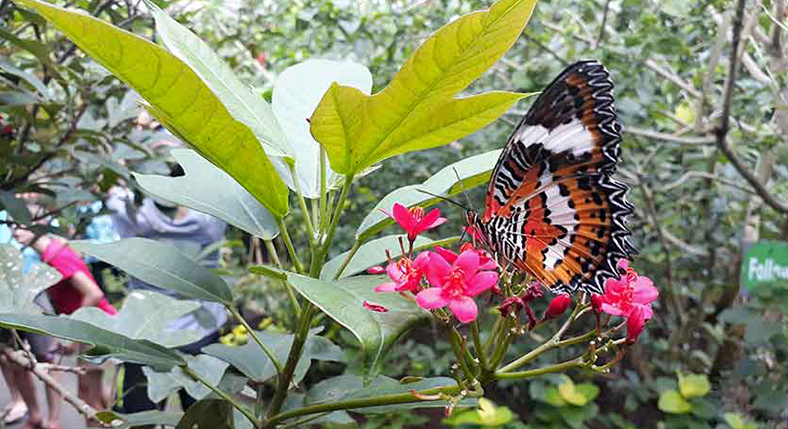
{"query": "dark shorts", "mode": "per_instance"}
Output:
(40, 345)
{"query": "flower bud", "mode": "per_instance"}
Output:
(558, 306)
(596, 303)
(375, 307)
(377, 269)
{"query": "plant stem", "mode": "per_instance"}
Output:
(292, 359)
(317, 262)
(323, 190)
(302, 203)
(245, 411)
(456, 345)
(502, 343)
(347, 260)
(278, 365)
(289, 245)
(399, 398)
(493, 334)
(269, 245)
(560, 367)
(477, 346)
(551, 343)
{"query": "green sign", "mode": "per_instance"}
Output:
(766, 264)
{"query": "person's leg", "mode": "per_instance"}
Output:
(41, 346)
(27, 388)
(16, 409)
(55, 403)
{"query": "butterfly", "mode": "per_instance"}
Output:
(552, 208)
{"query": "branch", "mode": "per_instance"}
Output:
(39, 370)
(722, 131)
(691, 141)
(601, 36)
(669, 75)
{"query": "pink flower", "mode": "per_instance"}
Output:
(456, 284)
(596, 303)
(414, 221)
(630, 296)
(485, 261)
(406, 274)
(558, 306)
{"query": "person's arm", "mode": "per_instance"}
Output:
(90, 291)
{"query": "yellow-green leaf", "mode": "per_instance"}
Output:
(693, 385)
(672, 402)
(417, 110)
(570, 394)
(178, 97)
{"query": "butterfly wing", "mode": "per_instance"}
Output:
(552, 207)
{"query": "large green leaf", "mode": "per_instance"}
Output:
(162, 383)
(208, 189)
(242, 103)
(297, 92)
(374, 253)
(343, 301)
(19, 289)
(142, 318)
(253, 363)
(163, 265)
(208, 414)
(179, 98)
(127, 421)
(472, 172)
(15, 207)
(417, 110)
(107, 344)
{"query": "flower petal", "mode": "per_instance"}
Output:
(395, 272)
(645, 292)
(386, 287)
(431, 298)
(404, 217)
(447, 254)
(464, 308)
(609, 309)
(437, 270)
(481, 282)
(468, 261)
(635, 322)
(623, 264)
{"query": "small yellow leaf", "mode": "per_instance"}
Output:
(693, 385)
(570, 394)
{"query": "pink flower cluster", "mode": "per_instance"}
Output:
(629, 296)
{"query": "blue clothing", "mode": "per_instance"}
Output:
(29, 256)
(191, 234)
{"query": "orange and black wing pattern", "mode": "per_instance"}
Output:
(552, 207)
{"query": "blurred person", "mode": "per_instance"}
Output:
(77, 288)
(190, 231)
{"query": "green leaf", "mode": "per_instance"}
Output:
(208, 414)
(553, 397)
(250, 360)
(208, 189)
(488, 414)
(589, 390)
(693, 385)
(163, 265)
(244, 105)
(142, 318)
(417, 110)
(297, 92)
(19, 289)
(670, 401)
(343, 301)
(179, 99)
(570, 394)
(166, 418)
(162, 383)
(349, 387)
(16, 208)
(108, 344)
(473, 171)
(32, 79)
(374, 253)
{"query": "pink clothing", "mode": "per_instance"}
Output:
(64, 297)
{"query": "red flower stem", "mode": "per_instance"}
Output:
(551, 343)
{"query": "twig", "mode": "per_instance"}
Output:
(81, 370)
(722, 131)
(669, 75)
(601, 36)
(39, 371)
(705, 175)
(692, 141)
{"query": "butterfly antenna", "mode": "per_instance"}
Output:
(462, 185)
(444, 199)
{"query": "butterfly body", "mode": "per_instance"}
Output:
(552, 207)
